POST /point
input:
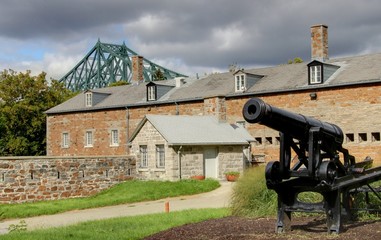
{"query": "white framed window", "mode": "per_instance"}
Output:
(89, 99)
(65, 140)
(89, 139)
(315, 74)
(160, 156)
(151, 94)
(240, 83)
(114, 137)
(143, 156)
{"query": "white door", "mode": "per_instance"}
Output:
(210, 162)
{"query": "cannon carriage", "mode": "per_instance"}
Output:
(322, 165)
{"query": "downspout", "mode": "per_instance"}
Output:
(177, 111)
(179, 160)
(127, 130)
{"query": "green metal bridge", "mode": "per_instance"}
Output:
(110, 63)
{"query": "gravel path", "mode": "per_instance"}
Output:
(214, 199)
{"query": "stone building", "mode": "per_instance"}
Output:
(344, 91)
(173, 153)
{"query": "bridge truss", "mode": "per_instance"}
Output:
(109, 63)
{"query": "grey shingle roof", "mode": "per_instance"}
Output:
(196, 130)
(288, 77)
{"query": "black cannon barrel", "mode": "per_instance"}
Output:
(296, 125)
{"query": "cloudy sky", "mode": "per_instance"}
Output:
(186, 36)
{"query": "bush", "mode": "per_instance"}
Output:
(251, 196)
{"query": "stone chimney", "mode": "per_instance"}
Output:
(179, 81)
(319, 42)
(137, 69)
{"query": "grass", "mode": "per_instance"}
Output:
(136, 227)
(251, 197)
(127, 192)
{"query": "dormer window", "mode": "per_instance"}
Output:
(156, 90)
(151, 93)
(88, 99)
(315, 74)
(240, 83)
(245, 80)
(320, 73)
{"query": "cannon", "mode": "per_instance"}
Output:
(320, 164)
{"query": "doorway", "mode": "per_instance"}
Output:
(211, 162)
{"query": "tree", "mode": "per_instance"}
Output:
(158, 75)
(24, 99)
(296, 60)
(118, 83)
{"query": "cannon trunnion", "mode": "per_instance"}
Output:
(316, 166)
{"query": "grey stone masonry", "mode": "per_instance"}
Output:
(26, 179)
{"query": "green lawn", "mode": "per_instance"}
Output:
(127, 192)
(136, 227)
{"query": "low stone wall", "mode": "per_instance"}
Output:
(25, 179)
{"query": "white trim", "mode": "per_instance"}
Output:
(143, 150)
(89, 99)
(315, 74)
(114, 138)
(151, 93)
(160, 156)
(240, 82)
(89, 138)
(65, 140)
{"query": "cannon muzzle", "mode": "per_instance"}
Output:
(296, 125)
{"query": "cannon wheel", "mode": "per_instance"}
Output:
(327, 171)
(272, 172)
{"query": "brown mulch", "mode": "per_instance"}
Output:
(264, 228)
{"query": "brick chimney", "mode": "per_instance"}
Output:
(319, 42)
(137, 69)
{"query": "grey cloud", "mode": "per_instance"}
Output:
(208, 34)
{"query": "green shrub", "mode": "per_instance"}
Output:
(251, 196)
(368, 205)
(232, 173)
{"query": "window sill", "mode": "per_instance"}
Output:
(159, 170)
(143, 169)
(89, 146)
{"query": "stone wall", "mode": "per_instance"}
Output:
(101, 123)
(215, 106)
(229, 158)
(232, 158)
(25, 179)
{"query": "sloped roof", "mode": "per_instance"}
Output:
(196, 130)
(282, 78)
